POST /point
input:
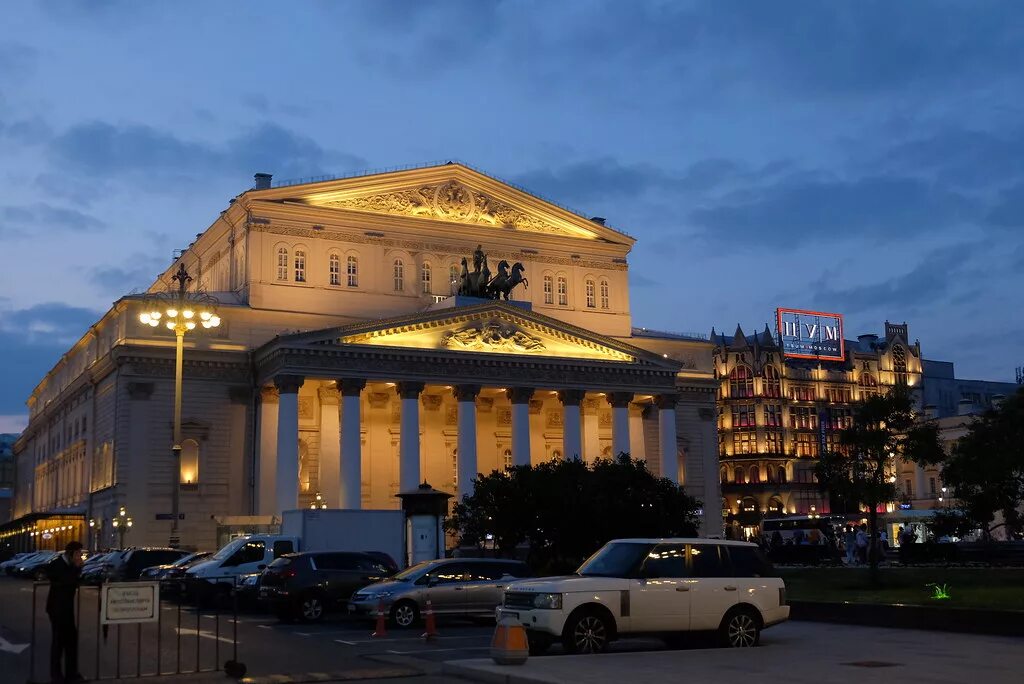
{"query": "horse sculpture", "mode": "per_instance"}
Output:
(502, 284)
(478, 282)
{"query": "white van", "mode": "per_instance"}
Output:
(243, 556)
(662, 587)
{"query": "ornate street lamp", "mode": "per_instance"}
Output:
(122, 523)
(179, 311)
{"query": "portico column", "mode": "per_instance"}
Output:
(351, 469)
(667, 436)
(620, 421)
(520, 398)
(267, 470)
(572, 446)
(465, 395)
(330, 446)
(287, 485)
(409, 440)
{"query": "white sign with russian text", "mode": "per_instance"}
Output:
(129, 602)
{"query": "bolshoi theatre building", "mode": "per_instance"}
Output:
(376, 332)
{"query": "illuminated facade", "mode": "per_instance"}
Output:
(775, 413)
(344, 367)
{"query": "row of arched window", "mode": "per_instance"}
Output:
(741, 475)
(292, 267)
(741, 383)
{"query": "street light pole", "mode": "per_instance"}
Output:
(181, 309)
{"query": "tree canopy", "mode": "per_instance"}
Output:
(565, 510)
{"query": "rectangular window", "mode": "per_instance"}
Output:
(743, 415)
(839, 395)
(425, 278)
(282, 264)
(605, 303)
(590, 294)
(563, 292)
(744, 443)
(931, 485)
(801, 392)
(335, 270)
(908, 488)
(802, 418)
(773, 442)
(300, 267)
(353, 271)
(548, 295)
(806, 445)
(773, 416)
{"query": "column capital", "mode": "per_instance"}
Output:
(328, 395)
(409, 390)
(268, 395)
(466, 392)
(288, 384)
(571, 397)
(619, 399)
(519, 395)
(351, 387)
(666, 401)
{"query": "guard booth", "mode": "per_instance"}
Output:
(140, 629)
(425, 509)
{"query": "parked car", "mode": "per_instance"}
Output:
(307, 585)
(158, 572)
(248, 590)
(94, 571)
(129, 565)
(35, 567)
(455, 586)
(11, 564)
(652, 586)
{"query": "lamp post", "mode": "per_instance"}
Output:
(122, 523)
(94, 533)
(180, 311)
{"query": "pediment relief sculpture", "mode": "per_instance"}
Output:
(493, 336)
(448, 201)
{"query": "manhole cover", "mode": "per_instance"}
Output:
(871, 663)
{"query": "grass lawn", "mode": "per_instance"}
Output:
(993, 588)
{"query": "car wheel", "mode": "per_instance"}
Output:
(311, 609)
(587, 632)
(741, 629)
(405, 614)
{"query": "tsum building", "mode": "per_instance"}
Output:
(775, 413)
(346, 368)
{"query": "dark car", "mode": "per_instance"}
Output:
(306, 585)
(95, 569)
(130, 564)
(158, 572)
(35, 567)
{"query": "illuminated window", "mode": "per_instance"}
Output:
(723, 476)
(743, 415)
(772, 384)
(739, 476)
(899, 364)
(335, 269)
(755, 474)
(425, 277)
(781, 477)
(839, 395)
(744, 443)
(549, 297)
(773, 415)
(773, 442)
(591, 303)
(352, 270)
(806, 445)
(189, 462)
(563, 291)
(741, 382)
(453, 278)
(801, 392)
(455, 468)
(300, 266)
(868, 385)
(282, 263)
(605, 303)
(507, 459)
(802, 418)
(398, 274)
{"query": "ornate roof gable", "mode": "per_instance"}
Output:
(491, 328)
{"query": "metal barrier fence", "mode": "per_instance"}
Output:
(162, 645)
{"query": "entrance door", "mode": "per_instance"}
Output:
(660, 599)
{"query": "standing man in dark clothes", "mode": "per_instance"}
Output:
(63, 573)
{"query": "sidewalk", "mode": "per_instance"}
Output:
(797, 653)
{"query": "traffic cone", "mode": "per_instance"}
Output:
(430, 622)
(509, 645)
(380, 629)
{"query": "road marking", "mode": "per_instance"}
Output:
(347, 643)
(386, 640)
(16, 649)
(441, 650)
(264, 626)
(203, 633)
(301, 633)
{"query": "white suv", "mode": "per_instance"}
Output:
(651, 586)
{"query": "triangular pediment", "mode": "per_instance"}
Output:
(490, 328)
(452, 193)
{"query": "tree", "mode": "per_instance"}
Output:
(985, 468)
(565, 510)
(884, 429)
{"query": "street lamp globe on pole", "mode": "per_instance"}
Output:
(180, 311)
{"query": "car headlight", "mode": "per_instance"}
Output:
(549, 601)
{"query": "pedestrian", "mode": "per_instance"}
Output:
(862, 544)
(63, 573)
(850, 544)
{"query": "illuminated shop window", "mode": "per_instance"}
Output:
(189, 461)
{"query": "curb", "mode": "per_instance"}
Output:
(336, 676)
(928, 618)
(473, 674)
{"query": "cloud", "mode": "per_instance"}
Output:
(20, 221)
(102, 149)
(1008, 211)
(967, 158)
(595, 179)
(118, 280)
(936, 277)
(17, 60)
(816, 208)
(29, 131)
(33, 340)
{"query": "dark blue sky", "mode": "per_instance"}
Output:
(860, 157)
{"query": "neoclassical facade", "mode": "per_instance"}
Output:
(346, 369)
